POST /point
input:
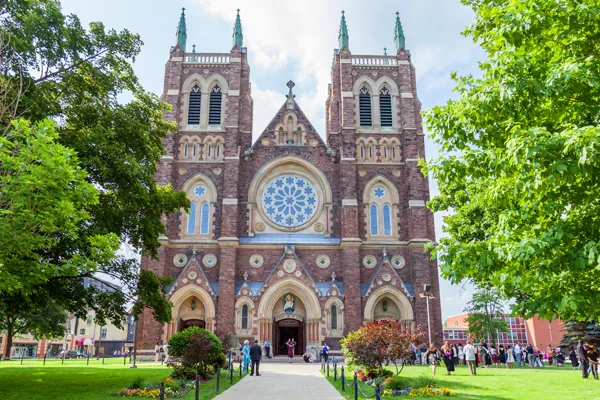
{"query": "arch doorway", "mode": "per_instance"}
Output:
(191, 313)
(285, 329)
(192, 306)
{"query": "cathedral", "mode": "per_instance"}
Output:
(291, 235)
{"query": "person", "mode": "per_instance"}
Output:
(156, 351)
(550, 355)
(502, 355)
(246, 361)
(447, 354)
(325, 352)
(573, 358)
(529, 349)
(413, 354)
(517, 352)
(433, 357)
(291, 344)
(560, 357)
(240, 352)
(469, 351)
(510, 357)
(486, 358)
(306, 357)
(461, 354)
(583, 359)
(538, 357)
(494, 355)
(454, 354)
(593, 356)
(255, 356)
(419, 356)
(166, 351)
(267, 349)
(423, 352)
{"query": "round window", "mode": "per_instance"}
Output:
(289, 201)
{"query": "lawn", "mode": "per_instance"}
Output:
(79, 381)
(503, 384)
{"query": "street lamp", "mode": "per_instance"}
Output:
(427, 295)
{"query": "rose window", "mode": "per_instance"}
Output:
(290, 200)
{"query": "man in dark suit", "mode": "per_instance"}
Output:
(255, 355)
(583, 359)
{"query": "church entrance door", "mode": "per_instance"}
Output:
(191, 322)
(287, 329)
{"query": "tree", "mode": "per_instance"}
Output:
(36, 314)
(380, 343)
(520, 167)
(586, 331)
(486, 312)
(195, 350)
(53, 68)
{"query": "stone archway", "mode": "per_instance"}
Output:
(396, 299)
(192, 306)
(306, 323)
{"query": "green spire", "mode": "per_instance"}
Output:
(238, 36)
(182, 30)
(343, 37)
(399, 39)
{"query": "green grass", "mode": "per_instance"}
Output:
(502, 384)
(93, 382)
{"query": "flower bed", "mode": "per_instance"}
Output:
(422, 386)
(419, 392)
(173, 387)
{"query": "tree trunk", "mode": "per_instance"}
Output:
(9, 339)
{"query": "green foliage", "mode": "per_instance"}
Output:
(423, 381)
(586, 331)
(398, 383)
(380, 343)
(195, 349)
(521, 158)
(486, 311)
(137, 382)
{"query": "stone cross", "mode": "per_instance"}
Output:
(333, 276)
(384, 252)
(245, 275)
(291, 84)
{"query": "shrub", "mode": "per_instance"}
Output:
(194, 350)
(381, 343)
(398, 383)
(136, 383)
(423, 381)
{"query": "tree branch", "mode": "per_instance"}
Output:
(76, 65)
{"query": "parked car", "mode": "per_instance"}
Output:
(71, 354)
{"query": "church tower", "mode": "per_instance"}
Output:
(291, 236)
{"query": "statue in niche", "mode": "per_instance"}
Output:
(289, 303)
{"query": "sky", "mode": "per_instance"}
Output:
(295, 40)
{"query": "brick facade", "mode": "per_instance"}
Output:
(217, 266)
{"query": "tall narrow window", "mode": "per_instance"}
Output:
(191, 225)
(374, 220)
(387, 220)
(245, 316)
(214, 112)
(364, 102)
(385, 107)
(204, 217)
(194, 106)
(334, 317)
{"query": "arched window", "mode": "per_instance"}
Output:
(387, 220)
(245, 316)
(385, 107)
(204, 218)
(191, 225)
(194, 105)
(214, 109)
(374, 220)
(364, 102)
(334, 317)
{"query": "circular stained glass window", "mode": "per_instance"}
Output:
(289, 200)
(200, 190)
(379, 192)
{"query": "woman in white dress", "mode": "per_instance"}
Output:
(461, 354)
(510, 357)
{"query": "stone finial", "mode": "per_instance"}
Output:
(399, 38)
(343, 37)
(238, 36)
(193, 48)
(245, 276)
(333, 277)
(384, 252)
(182, 30)
(290, 85)
(194, 250)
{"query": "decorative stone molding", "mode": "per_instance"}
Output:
(347, 94)
(398, 262)
(289, 266)
(319, 227)
(256, 261)
(349, 202)
(180, 260)
(230, 202)
(369, 262)
(323, 261)
(407, 95)
(416, 203)
(259, 227)
(233, 92)
(172, 92)
(209, 260)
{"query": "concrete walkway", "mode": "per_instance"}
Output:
(297, 381)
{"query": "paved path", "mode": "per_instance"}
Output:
(283, 381)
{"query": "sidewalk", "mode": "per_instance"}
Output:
(297, 381)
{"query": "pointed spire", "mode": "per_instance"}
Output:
(399, 39)
(238, 36)
(182, 30)
(343, 37)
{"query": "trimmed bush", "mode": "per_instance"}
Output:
(194, 350)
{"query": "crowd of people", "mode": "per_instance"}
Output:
(485, 355)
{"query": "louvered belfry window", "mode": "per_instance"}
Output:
(385, 107)
(364, 100)
(214, 112)
(194, 106)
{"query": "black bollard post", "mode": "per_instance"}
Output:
(22, 355)
(343, 378)
(231, 375)
(63, 357)
(161, 396)
(334, 372)
(88, 358)
(328, 369)
(124, 359)
(377, 392)
(197, 386)
(240, 372)
(103, 355)
(218, 378)
(355, 387)
(45, 354)
(229, 359)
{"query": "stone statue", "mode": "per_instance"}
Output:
(333, 276)
(289, 304)
(245, 275)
